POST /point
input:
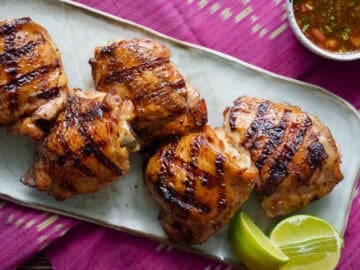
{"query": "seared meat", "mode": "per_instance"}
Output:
(199, 181)
(295, 153)
(33, 85)
(87, 148)
(140, 70)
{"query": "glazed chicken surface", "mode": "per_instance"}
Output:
(33, 85)
(296, 155)
(141, 70)
(199, 182)
(87, 148)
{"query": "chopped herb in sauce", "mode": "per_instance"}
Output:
(331, 24)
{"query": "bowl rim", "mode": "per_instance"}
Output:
(347, 56)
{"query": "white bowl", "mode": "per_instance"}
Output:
(345, 56)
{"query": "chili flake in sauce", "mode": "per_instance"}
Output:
(331, 24)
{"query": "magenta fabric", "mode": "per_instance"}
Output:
(24, 232)
(255, 31)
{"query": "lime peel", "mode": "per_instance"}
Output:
(253, 248)
(309, 242)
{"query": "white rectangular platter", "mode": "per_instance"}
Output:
(125, 204)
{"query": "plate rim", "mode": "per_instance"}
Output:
(187, 248)
(307, 86)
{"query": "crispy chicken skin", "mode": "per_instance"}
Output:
(33, 85)
(141, 70)
(87, 148)
(295, 153)
(199, 182)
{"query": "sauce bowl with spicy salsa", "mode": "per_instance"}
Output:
(329, 28)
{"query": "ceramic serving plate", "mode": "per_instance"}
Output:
(126, 205)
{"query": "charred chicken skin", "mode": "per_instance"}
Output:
(87, 148)
(141, 70)
(199, 181)
(33, 85)
(295, 153)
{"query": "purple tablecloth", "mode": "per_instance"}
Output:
(255, 31)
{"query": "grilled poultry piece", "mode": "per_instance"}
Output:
(87, 148)
(33, 85)
(295, 153)
(140, 70)
(199, 181)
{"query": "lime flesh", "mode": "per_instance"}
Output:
(309, 242)
(253, 248)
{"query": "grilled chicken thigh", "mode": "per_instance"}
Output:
(140, 70)
(199, 181)
(295, 153)
(33, 85)
(87, 148)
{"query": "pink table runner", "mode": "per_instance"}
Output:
(255, 31)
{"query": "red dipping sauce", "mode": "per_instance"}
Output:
(333, 25)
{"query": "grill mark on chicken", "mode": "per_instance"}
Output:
(161, 186)
(91, 147)
(13, 24)
(316, 155)
(233, 114)
(72, 156)
(259, 124)
(280, 168)
(15, 53)
(12, 87)
(187, 200)
(108, 50)
(156, 93)
(219, 165)
(29, 77)
(208, 180)
(160, 95)
(276, 135)
(48, 93)
(155, 126)
(196, 145)
(189, 193)
(183, 201)
(126, 75)
(11, 66)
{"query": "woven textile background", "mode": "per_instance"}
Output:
(255, 31)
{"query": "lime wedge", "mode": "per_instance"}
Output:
(253, 248)
(309, 242)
